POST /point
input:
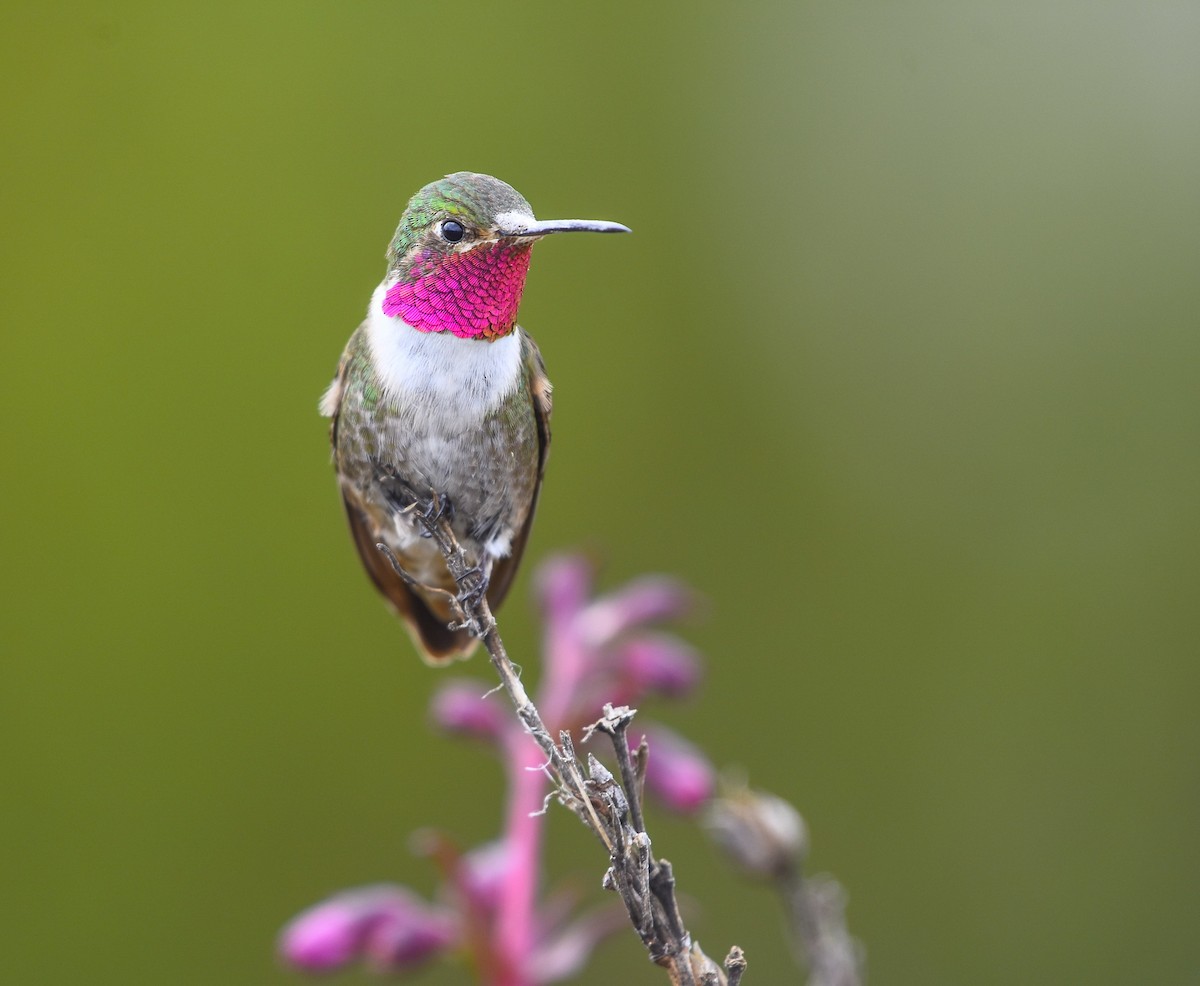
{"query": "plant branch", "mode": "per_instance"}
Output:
(610, 809)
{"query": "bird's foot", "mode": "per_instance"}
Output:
(436, 507)
(402, 496)
(472, 585)
(433, 509)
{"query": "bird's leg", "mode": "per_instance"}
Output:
(396, 490)
(400, 494)
(472, 584)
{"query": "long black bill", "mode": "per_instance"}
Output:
(536, 228)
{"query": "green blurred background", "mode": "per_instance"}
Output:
(899, 370)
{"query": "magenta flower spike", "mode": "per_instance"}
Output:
(597, 651)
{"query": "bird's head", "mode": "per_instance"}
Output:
(461, 252)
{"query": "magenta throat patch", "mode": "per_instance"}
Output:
(475, 294)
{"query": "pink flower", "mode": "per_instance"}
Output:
(650, 599)
(564, 953)
(676, 771)
(563, 583)
(482, 873)
(463, 707)
(404, 939)
(384, 923)
(658, 663)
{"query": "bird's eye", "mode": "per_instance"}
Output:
(452, 231)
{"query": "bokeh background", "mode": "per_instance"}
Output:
(900, 370)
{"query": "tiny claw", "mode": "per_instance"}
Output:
(472, 584)
(433, 506)
(469, 595)
(438, 507)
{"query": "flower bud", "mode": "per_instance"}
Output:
(386, 923)
(677, 772)
(761, 832)
(405, 938)
(461, 707)
(659, 663)
(324, 937)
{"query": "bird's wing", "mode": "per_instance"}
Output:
(539, 391)
(426, 618)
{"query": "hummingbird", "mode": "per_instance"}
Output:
(440, 390)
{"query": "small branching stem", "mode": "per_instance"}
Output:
(816, 909)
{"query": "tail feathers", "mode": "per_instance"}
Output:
(426, 617)
(430, 630)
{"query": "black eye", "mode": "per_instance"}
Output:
(452, 231)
